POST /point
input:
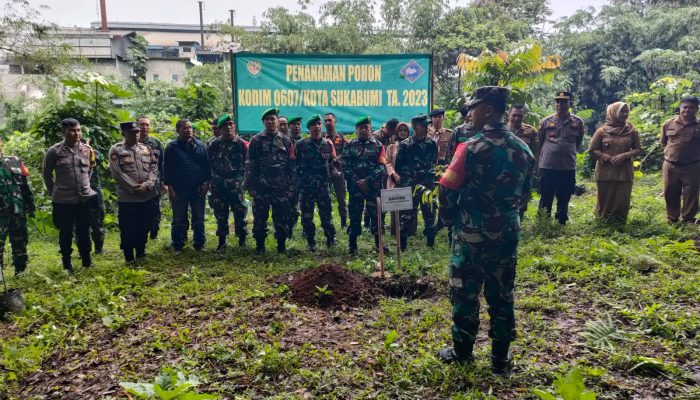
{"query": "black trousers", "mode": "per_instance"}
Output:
(135, 221)
(559, 184)
(67, 217)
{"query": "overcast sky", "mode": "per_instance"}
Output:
(82, 12)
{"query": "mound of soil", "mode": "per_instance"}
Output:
(333, 286)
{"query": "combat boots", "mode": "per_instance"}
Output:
(458, 354)
(222, 243)
(430, 241)
(343, 221)
(404, 242)
(259, 245)
(352, 246)
(241, 241)
(501, 359)
(330, 241)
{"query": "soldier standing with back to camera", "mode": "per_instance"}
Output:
(315, 157)
(134, 166)
(67, 179)
(227, 156)
(16, 202)
(489, 177)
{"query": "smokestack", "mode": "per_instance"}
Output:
(201, 23)
(103, 14)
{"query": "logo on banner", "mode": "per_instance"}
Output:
(254, 68)
(412, 71)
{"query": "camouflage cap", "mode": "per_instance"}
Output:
(420, 119)
(492, 94)
(312, 120)
(223, 119)
(270, 111)
(564, 95)
(292, 120)
(365, 119)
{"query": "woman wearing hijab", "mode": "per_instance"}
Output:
(393, 178)
(614, 146)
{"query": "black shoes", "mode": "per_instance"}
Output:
(449, 356)
(352, 247)
(311, 245)
(501, 358)
(259, 246)
(330, 241)
(241, 241)
(430, 241)
(222, 243)
(281, 247)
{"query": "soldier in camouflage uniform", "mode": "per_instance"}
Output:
(270, 181)
(315, 156)
(227, 156)
(16, 201)
(415, 164)
(363, 165)
(339, 142)
(489, 177)
(294, 124)
(157, 147)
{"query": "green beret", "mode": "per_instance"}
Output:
(223, 119)
(292, 120)
(365, 119)
(313, 120)
(270, 111)
(420, 119)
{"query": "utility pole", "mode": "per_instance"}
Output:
(233, 15)
(201, 22)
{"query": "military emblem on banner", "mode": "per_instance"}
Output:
(412, 71)
(254, 67)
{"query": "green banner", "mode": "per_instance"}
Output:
(381, 86)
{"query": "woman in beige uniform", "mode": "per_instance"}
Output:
(614, 146)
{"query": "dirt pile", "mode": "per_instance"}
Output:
(333, 286)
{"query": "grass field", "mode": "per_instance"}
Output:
(619, 306)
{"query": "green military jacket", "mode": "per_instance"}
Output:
(15, 194)
(364, 159)
(415, 162)
(489, 178)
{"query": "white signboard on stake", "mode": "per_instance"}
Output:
(398, 199)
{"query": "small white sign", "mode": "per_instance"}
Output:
(397, 199)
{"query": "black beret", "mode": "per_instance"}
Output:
(435, 113)
(420, 119)
(492, 94)
(130, 126)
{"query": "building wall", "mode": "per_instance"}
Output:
(171, 38)
(166, 70)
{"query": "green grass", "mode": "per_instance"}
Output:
(621, 303)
